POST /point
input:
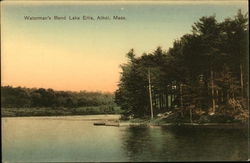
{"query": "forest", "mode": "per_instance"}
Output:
(19, 101)
(203, 77)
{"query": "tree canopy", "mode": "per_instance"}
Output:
(32, 97)
(204, 72)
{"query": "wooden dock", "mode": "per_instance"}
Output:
(107, 123)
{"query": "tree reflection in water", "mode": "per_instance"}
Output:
(184, 144)
(145, 144)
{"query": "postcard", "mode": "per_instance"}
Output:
(124, 81)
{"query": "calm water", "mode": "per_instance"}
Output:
(74, 138)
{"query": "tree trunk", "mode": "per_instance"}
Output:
(154, 99)
(167, 100)
(241, 80)
(181, 100)
(222, 96)
(190, 113)
(164, 101)
(171, 98)
(212, 85)
(160, 100)
(150, 95)
(217, 96)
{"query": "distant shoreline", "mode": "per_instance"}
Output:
(54, 115)
(125, 123)
(39, 112)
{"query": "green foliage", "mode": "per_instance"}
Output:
(198, 75)
(28, 98)
(89, 110)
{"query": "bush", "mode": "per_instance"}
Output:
(216, 119)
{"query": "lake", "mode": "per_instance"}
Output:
(75, 138)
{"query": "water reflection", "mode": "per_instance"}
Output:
(184, 144)
(63, 139)
(136, 142)
(209, 144)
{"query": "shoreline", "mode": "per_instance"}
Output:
(55, 115)
(148, 123)
(205, 125)
(124, 123)
(47, 111)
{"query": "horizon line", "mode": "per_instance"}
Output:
(65, 90)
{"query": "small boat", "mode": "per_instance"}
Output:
(107, 124)
(99, 123)
(112, 124)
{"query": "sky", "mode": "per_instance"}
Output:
(86, 54)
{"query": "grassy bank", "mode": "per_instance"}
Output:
(176, 118)
(90, 110)
(158, 122)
